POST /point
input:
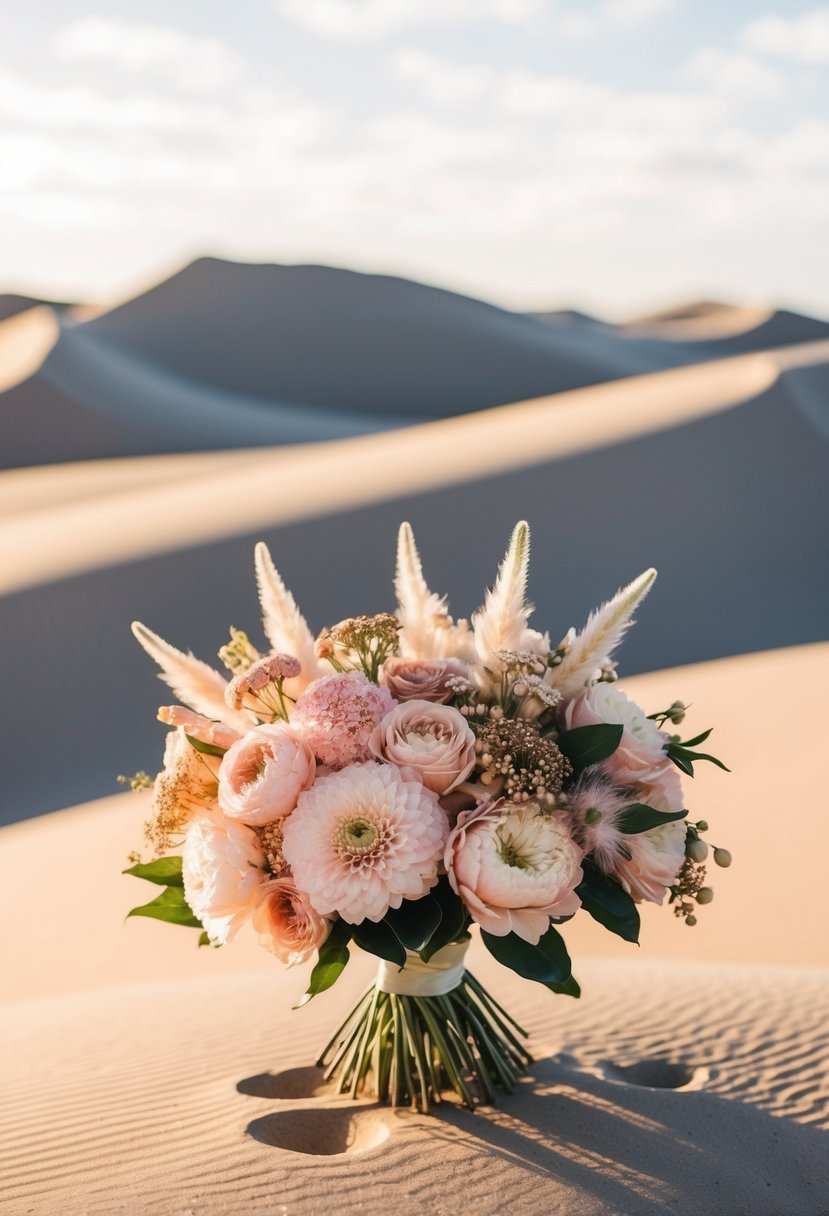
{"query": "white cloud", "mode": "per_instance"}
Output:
(734, 72)
(612, 14)
(441, 81)
(197, 63)
(363, 20)
(803, 39)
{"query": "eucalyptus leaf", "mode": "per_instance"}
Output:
(331, 961)
(638, 817)
(164, 870)
(608, 903)
(209, 749)
(586, 745)
(697, 739)
(171, 906)
(685, 759)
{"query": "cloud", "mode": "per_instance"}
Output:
(442, 82)
(734, 72)
(196, 63)
(365, 20)
(612, 14)
(802, 39)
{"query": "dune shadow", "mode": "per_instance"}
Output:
(291, 1083)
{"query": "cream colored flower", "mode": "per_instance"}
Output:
(514, 867)
(222, 866)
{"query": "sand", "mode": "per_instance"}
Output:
(145, 1075)
(145, 452)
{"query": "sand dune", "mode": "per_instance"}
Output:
(718, 468)
(226, 355)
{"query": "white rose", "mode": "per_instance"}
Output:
(222, 866)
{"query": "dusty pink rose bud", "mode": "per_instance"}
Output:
(263, 774)
(286, 923)
(514, 867)
(435, 741)
(423, 679)
(640, 761)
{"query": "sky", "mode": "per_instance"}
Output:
(616, 156)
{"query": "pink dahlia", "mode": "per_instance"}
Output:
(338, 715)
(364, 839)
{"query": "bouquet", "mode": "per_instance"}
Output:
(403, 777)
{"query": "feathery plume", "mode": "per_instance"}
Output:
(501, 625)
(198, 685)
(427, 629)
(601, 635)
(284, 625)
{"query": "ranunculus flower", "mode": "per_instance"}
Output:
(364, 839)
(263, 774)
(286, 922)
(433, 740)
(222, 868)
(656, 857)
(639, 761)
(337, 715)
(423, 679)
(514, 867)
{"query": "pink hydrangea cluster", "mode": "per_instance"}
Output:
(338, 715)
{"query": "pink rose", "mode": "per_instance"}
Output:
(656, 857)
(435, 741)
(514, 867)
(286, 923)
(423, 679)
(640, 760)
(263, 774)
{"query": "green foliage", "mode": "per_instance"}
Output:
(586, 745)
(548, 962)
(415, 921)
(608, 903)
(454, 919)
(379, 939)
(170, 906)
(685, 759)
(641, 818)
(208, 749)
(332, 958)
(164, 870)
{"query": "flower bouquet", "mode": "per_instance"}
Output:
(404, 777)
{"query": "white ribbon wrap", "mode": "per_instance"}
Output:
(442, 973)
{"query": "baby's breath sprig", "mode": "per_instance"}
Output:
(361, 643)
(138, 781)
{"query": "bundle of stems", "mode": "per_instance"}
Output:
(409, 1049)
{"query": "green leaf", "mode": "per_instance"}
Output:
(548, 962)
(204, 939)
(414, 922)
(697, 739)
(164, 870)
(380, 940)
(331, 960)
(586, 745)
(171, 906)
(641, 818)
(209, 749)
(568, 988)
(608, 903)
(685, 759)
(453, 922)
